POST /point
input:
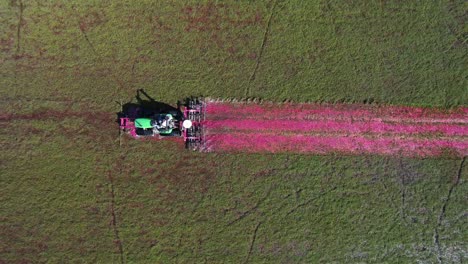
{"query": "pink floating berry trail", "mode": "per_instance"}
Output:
(338, 128)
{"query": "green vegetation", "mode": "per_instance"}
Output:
(72, 192)
(400, 52)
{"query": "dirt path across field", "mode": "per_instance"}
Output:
(341, 128)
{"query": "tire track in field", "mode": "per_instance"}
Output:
(262, 48)
(99, 57)
(443, 209)
(18, 30)
(94, 121)
(343, 128)
(115, 228)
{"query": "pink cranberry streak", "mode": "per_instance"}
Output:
(337, 126)
(342, 128)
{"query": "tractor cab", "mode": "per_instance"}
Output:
(160, 124)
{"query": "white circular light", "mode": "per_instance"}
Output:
(187, 124)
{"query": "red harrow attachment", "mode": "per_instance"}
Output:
(192, 125)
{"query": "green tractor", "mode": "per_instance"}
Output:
(151, 119)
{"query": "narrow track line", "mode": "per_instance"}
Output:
(98, 56)
(262, 48)
(436, 236)
(118, 241)
(18, 30)
(252, 242)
